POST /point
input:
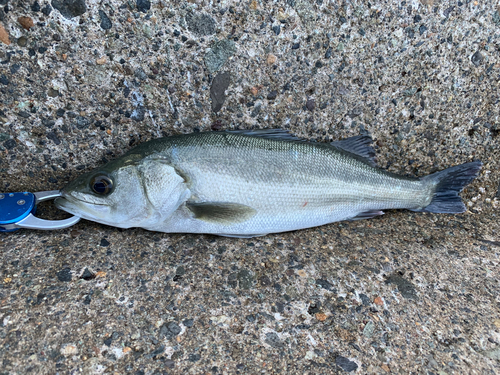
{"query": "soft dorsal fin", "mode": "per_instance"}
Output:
(276, 134)
(221, 212)
(359, 145)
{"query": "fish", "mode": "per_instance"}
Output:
(248, 183)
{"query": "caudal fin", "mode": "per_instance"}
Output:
(449, 183)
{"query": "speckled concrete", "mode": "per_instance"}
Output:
(402, 293)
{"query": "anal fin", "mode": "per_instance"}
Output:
(240, 235)
(221, 212)
(367, 215)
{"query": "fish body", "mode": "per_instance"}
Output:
(251, 183)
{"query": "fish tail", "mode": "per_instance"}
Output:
(448, 184)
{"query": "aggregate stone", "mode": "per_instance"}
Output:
(64, 274)
(346, 364)
(201, 24)
(218, 90)
(105, 21)
(218, 54)
(143, 5)
(70, 8)
(405, 287)
(405, 292)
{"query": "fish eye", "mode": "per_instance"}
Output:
(101, 184)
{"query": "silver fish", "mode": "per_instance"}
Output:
(250, 183)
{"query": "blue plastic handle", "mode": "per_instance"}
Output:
(14, 207)
(17, 210)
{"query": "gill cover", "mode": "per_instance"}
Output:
(164, 188)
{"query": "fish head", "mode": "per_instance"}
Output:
(125, 193)
(112, 197)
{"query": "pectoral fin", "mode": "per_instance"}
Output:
(221, 212)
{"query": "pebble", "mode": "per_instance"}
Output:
(310, 105)
(82, 122)
(4, 35)
(53, 93)
(406, 288)
(26, 22)
(170, 330)
(218, 90)
(70, 8)
(105, 21)
(365, 300)
(35, 7)
(22, 41)
(295, 46)
(103, 60)
(64, 274)
(9, 144)
(218, 54)
(243, 279)
(53, 137)
(369, 329)
(201, 24)
(140, 74)
(46, 10)
(188, 323)
(14, 68)
(4, 80)
(345, 364)
(87, 275)
(143, 5)
(272, 95)
(477, 58)
(321, 317)
(271, 59)
(276, 29)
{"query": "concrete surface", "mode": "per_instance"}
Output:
(83, 81)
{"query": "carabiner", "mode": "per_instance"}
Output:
(17, 210)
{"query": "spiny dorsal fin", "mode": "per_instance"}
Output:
(221, 212)
(359, 145)
(276, 134)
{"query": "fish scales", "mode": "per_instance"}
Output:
(244, 185)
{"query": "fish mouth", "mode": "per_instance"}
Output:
(69, 198)
(74, 205)
(68, 206)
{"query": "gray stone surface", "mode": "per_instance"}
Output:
(402, 293)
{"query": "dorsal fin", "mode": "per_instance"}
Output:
(359, 145)
(276, 134)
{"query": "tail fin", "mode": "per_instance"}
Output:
(449, 183)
